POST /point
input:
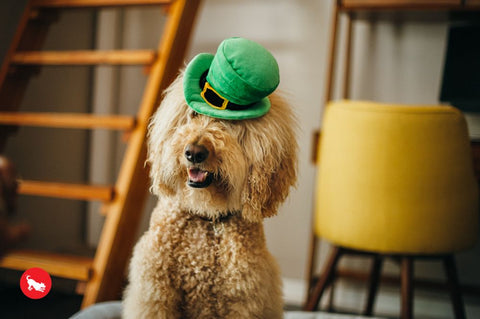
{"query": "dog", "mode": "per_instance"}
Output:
(204, 254)
(32, 284)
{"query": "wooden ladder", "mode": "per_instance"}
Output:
(103, 274)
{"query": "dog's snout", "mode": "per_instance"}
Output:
(196, 153)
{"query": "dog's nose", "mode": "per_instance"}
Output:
(196, 153)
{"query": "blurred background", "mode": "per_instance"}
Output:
(397, 57)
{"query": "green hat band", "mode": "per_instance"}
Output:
(216, 100)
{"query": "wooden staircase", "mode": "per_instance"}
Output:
(103, 274)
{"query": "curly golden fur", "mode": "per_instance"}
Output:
(204, 254)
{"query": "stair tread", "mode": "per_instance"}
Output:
(66, 190)
(60, 265)
(68, 120)
(85, 57)
(95, 3)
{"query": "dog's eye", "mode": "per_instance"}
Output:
(193, 114)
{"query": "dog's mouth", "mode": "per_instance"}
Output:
(198, 178)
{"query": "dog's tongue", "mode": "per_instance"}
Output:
(197, 175)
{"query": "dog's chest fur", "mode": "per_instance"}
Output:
(203, 258)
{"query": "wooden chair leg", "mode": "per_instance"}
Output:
(331, 296)
(407, 287)
(312, 257)
(373, 284)
(454, 286)
(324, 280)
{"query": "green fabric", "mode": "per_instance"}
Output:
(242, 71)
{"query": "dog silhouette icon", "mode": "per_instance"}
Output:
(37, 286)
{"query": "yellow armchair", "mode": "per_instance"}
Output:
(395, 180)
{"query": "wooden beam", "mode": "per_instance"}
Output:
(328, 95)
(95, 3)
(65, 190)
(400, 4)
(68, 120)
(348, 56)
(71, 267)
(84, 57)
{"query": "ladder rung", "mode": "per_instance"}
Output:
(85, 57)
(96, 3)
(64, 190)
(68, 120)
(66, 266)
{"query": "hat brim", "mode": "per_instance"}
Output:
(192, 90)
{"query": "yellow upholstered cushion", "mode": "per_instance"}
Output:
(396, 178)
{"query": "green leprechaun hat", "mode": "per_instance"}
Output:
(233, 84)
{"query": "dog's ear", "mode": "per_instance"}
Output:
(272, 149)
(171, 114)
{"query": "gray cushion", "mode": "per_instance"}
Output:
(113, 310)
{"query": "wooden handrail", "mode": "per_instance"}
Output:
(68, 120)
(72, 267)
(95, 3)
(85, 57)
(66, 190)
(404, 5)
